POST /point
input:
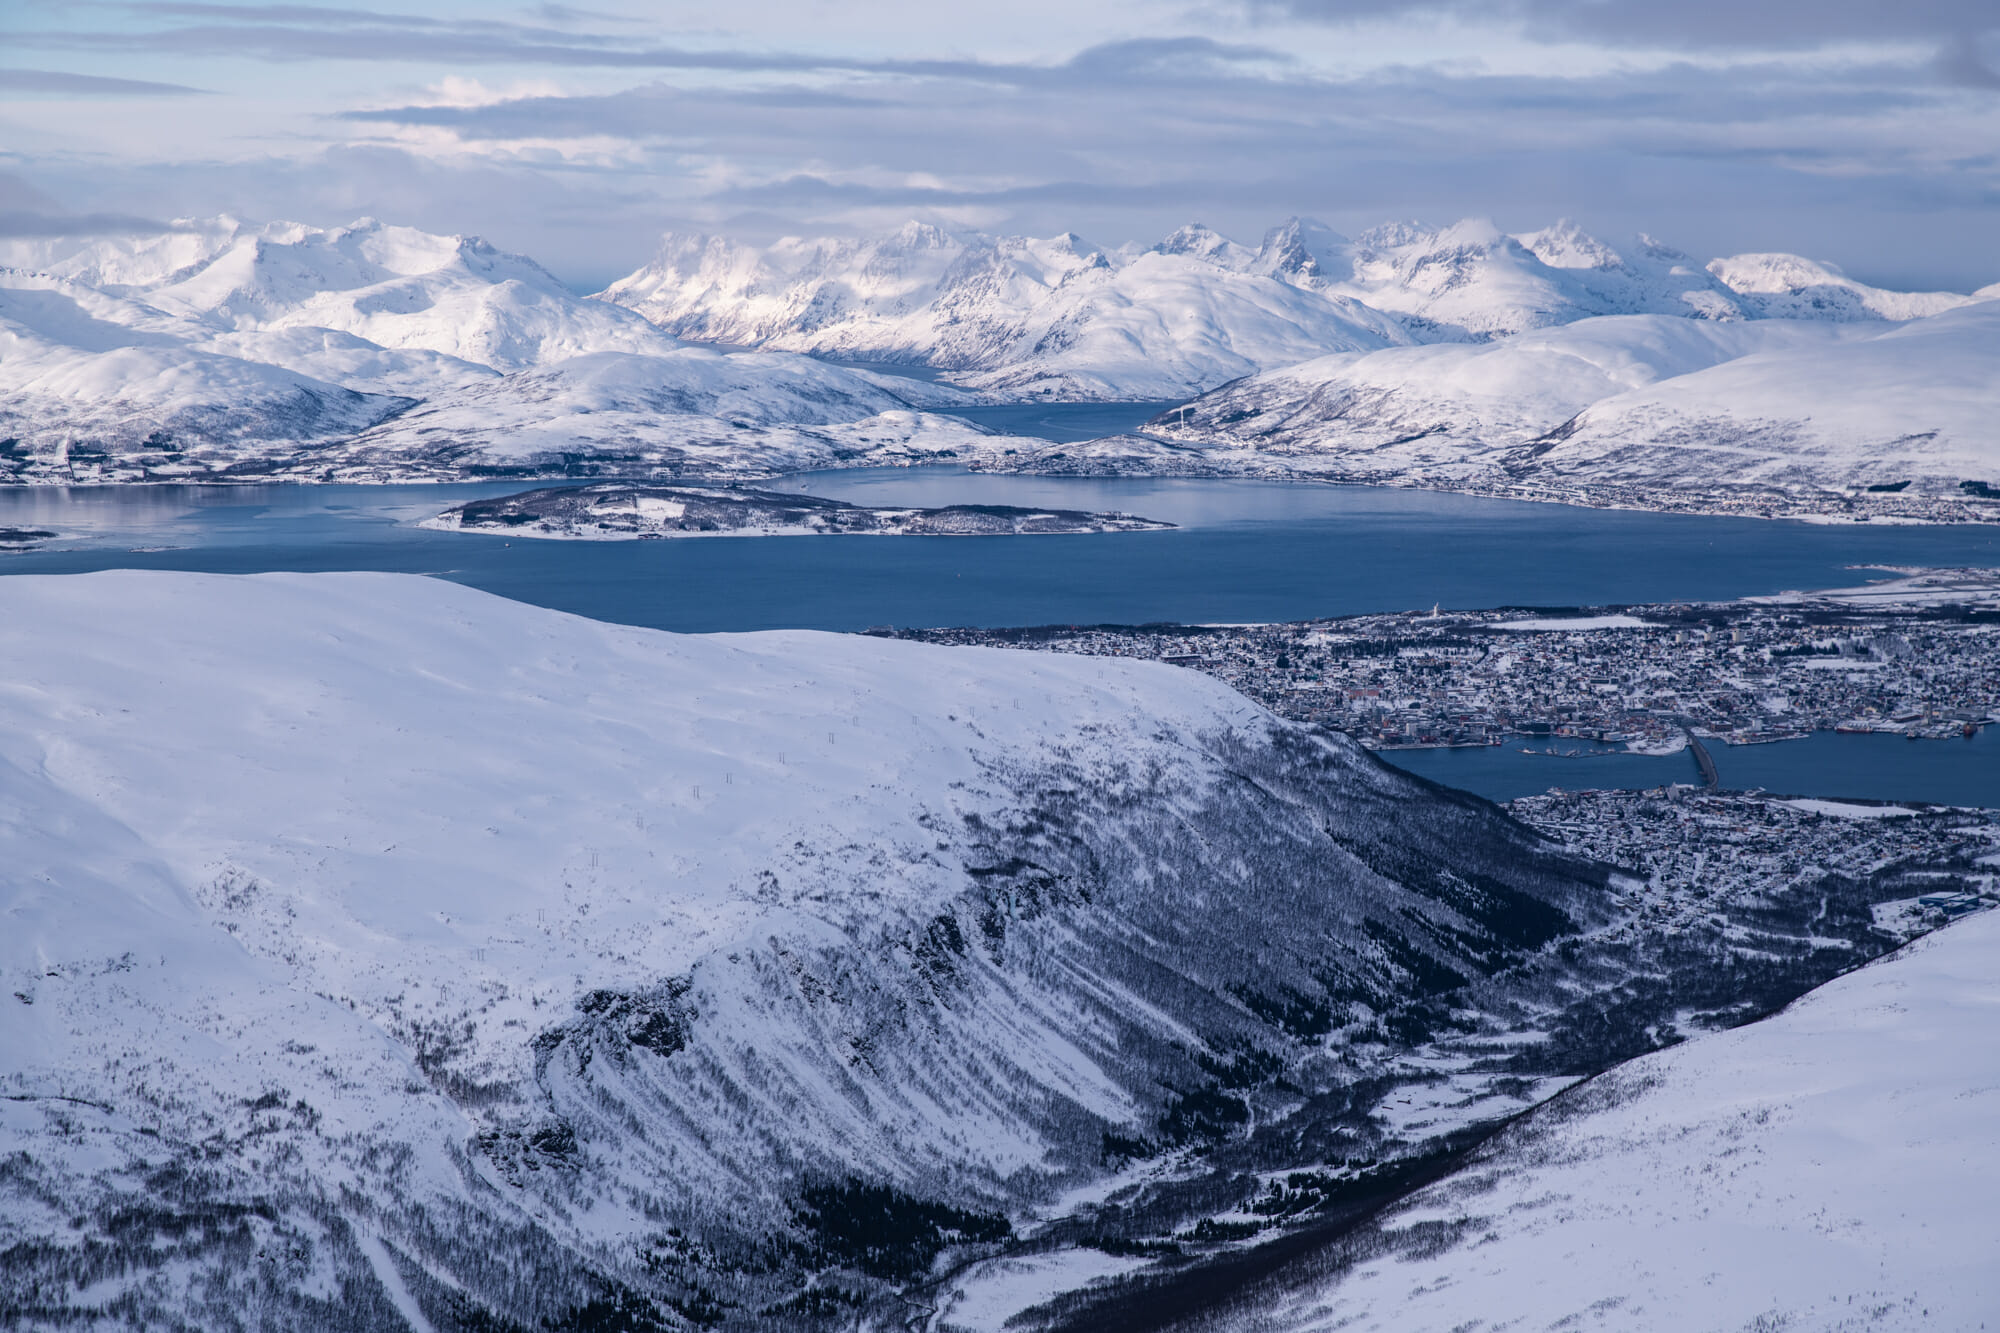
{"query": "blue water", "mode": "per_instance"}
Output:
(1246, 551)
(1865, 767)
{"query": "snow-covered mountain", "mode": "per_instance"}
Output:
(692, 412)
(1023, 316)
(378, 952)
(1790, 287)
(1452, 409)
(396, 287)
(1769, 415)
(84, 375)
(1913, 408)
(1409, 354)
(1829, 1168)
(1472, 280)
(1016, 315)
(230, 351)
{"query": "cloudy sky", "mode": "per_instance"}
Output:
(1866, 132)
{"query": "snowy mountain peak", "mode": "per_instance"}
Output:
(1305, 252)
(1200, 242)
(1786, 286)
(1566, 245)
(915, 235)
(1393, 235)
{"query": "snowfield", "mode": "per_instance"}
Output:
(373, 943)
(1833, 1168)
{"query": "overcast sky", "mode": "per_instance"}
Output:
(1866, 132)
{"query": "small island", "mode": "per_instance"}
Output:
(625, 511)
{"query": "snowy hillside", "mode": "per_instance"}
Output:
(690, 413)
(1827, 417)
(375, 945)
(1913, 408)
(1449, 409)
(1831, 1168)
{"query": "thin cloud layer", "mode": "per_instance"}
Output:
(1862, 132)
(1768, 25)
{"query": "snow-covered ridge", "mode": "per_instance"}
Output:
(1060, 316)
(1832, 1167)
(450, 952)
(1814, 417)
(1017, 315)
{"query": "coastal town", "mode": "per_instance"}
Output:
(1689, 856)
(1647, 678)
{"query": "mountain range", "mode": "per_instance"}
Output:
(1545, 363)
(1068, 319)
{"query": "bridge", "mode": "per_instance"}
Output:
(1702, 759)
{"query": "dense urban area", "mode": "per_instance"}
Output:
(1644, 678)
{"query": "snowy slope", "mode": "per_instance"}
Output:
(691, 412)
(1832, 1168)
(1914, 404)
(371, 942)
(1450, 409)
(140, 392)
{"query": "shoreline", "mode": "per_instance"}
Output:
(1823, 508)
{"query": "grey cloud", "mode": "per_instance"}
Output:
(85, 85)
(305, 32)
(1691, 24)
(1964, 64)
(26, 225)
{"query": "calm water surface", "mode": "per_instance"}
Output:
(1864, 767)
(1245, 551)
